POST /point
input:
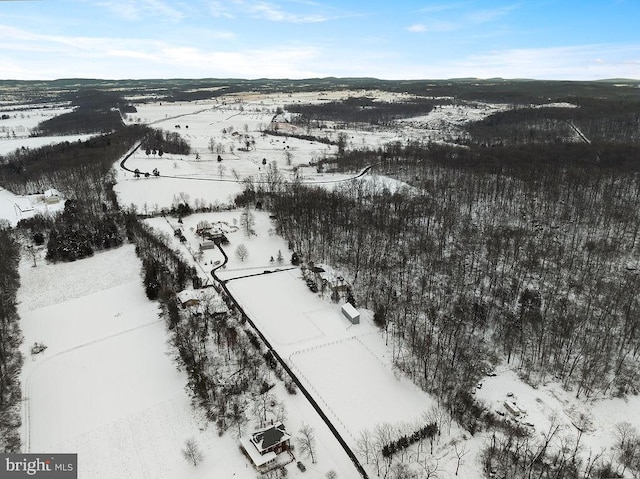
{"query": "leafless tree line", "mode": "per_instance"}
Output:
(536, 266)
(10, 340)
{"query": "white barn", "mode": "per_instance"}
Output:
(351, 313)
(52, 196)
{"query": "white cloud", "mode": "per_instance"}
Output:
(584, 62)
(52, 56)
(435, 26)
(26, 54)
(219, 10)
(276, 14)
(133, 10)
(442, 7)
(485, 16)
(461, 20)
(417, 28)
(296, 11)
(281, 63)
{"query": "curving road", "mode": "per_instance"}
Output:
(123, 162)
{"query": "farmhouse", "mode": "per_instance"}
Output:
(327, 277)
(52, 196)
(206, 300)
(217, 236)
(264, 445)
(351, 313)
(188, 298)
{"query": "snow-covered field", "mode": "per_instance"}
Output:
(346, 367)
(14, 208)
(106, 386)
(549, 404)
(8, 145)
(23, 118)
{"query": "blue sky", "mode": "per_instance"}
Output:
(396, 39)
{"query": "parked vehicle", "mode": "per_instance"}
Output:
(38, 348)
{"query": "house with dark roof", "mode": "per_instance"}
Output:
(264, 445)
(326, 277)
(205, 300)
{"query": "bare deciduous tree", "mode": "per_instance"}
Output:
(627, 445)
(307, 441)
(460, 453)
(364, 445)
(191, 452)
(430, 468)
(247, 221)
(242, 252)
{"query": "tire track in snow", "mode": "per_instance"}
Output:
(26, 394)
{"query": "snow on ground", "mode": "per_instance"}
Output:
(107, 389)
(150, 195)
(8, 145)
(563, 104)
(329, 354)
(105, 373)
(76, 279)
(444, 123)
(14, 208)
(23, 118)
(231, 128)
(550, 403)
(261, 247)
(351, 377)
(347, 367)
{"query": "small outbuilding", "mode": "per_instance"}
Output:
(208, 244)
(512, 408)
(22, 205)
(327, 277)
(351, 313)
(188, 298)
(52, 196)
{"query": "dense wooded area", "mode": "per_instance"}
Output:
(518, 243)
(77, 232)
(601, 121)
(78, 169)
(361, 110)
(539, 263)
(94, 111)
(10, 340)
(227, 365)
(162, 141)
